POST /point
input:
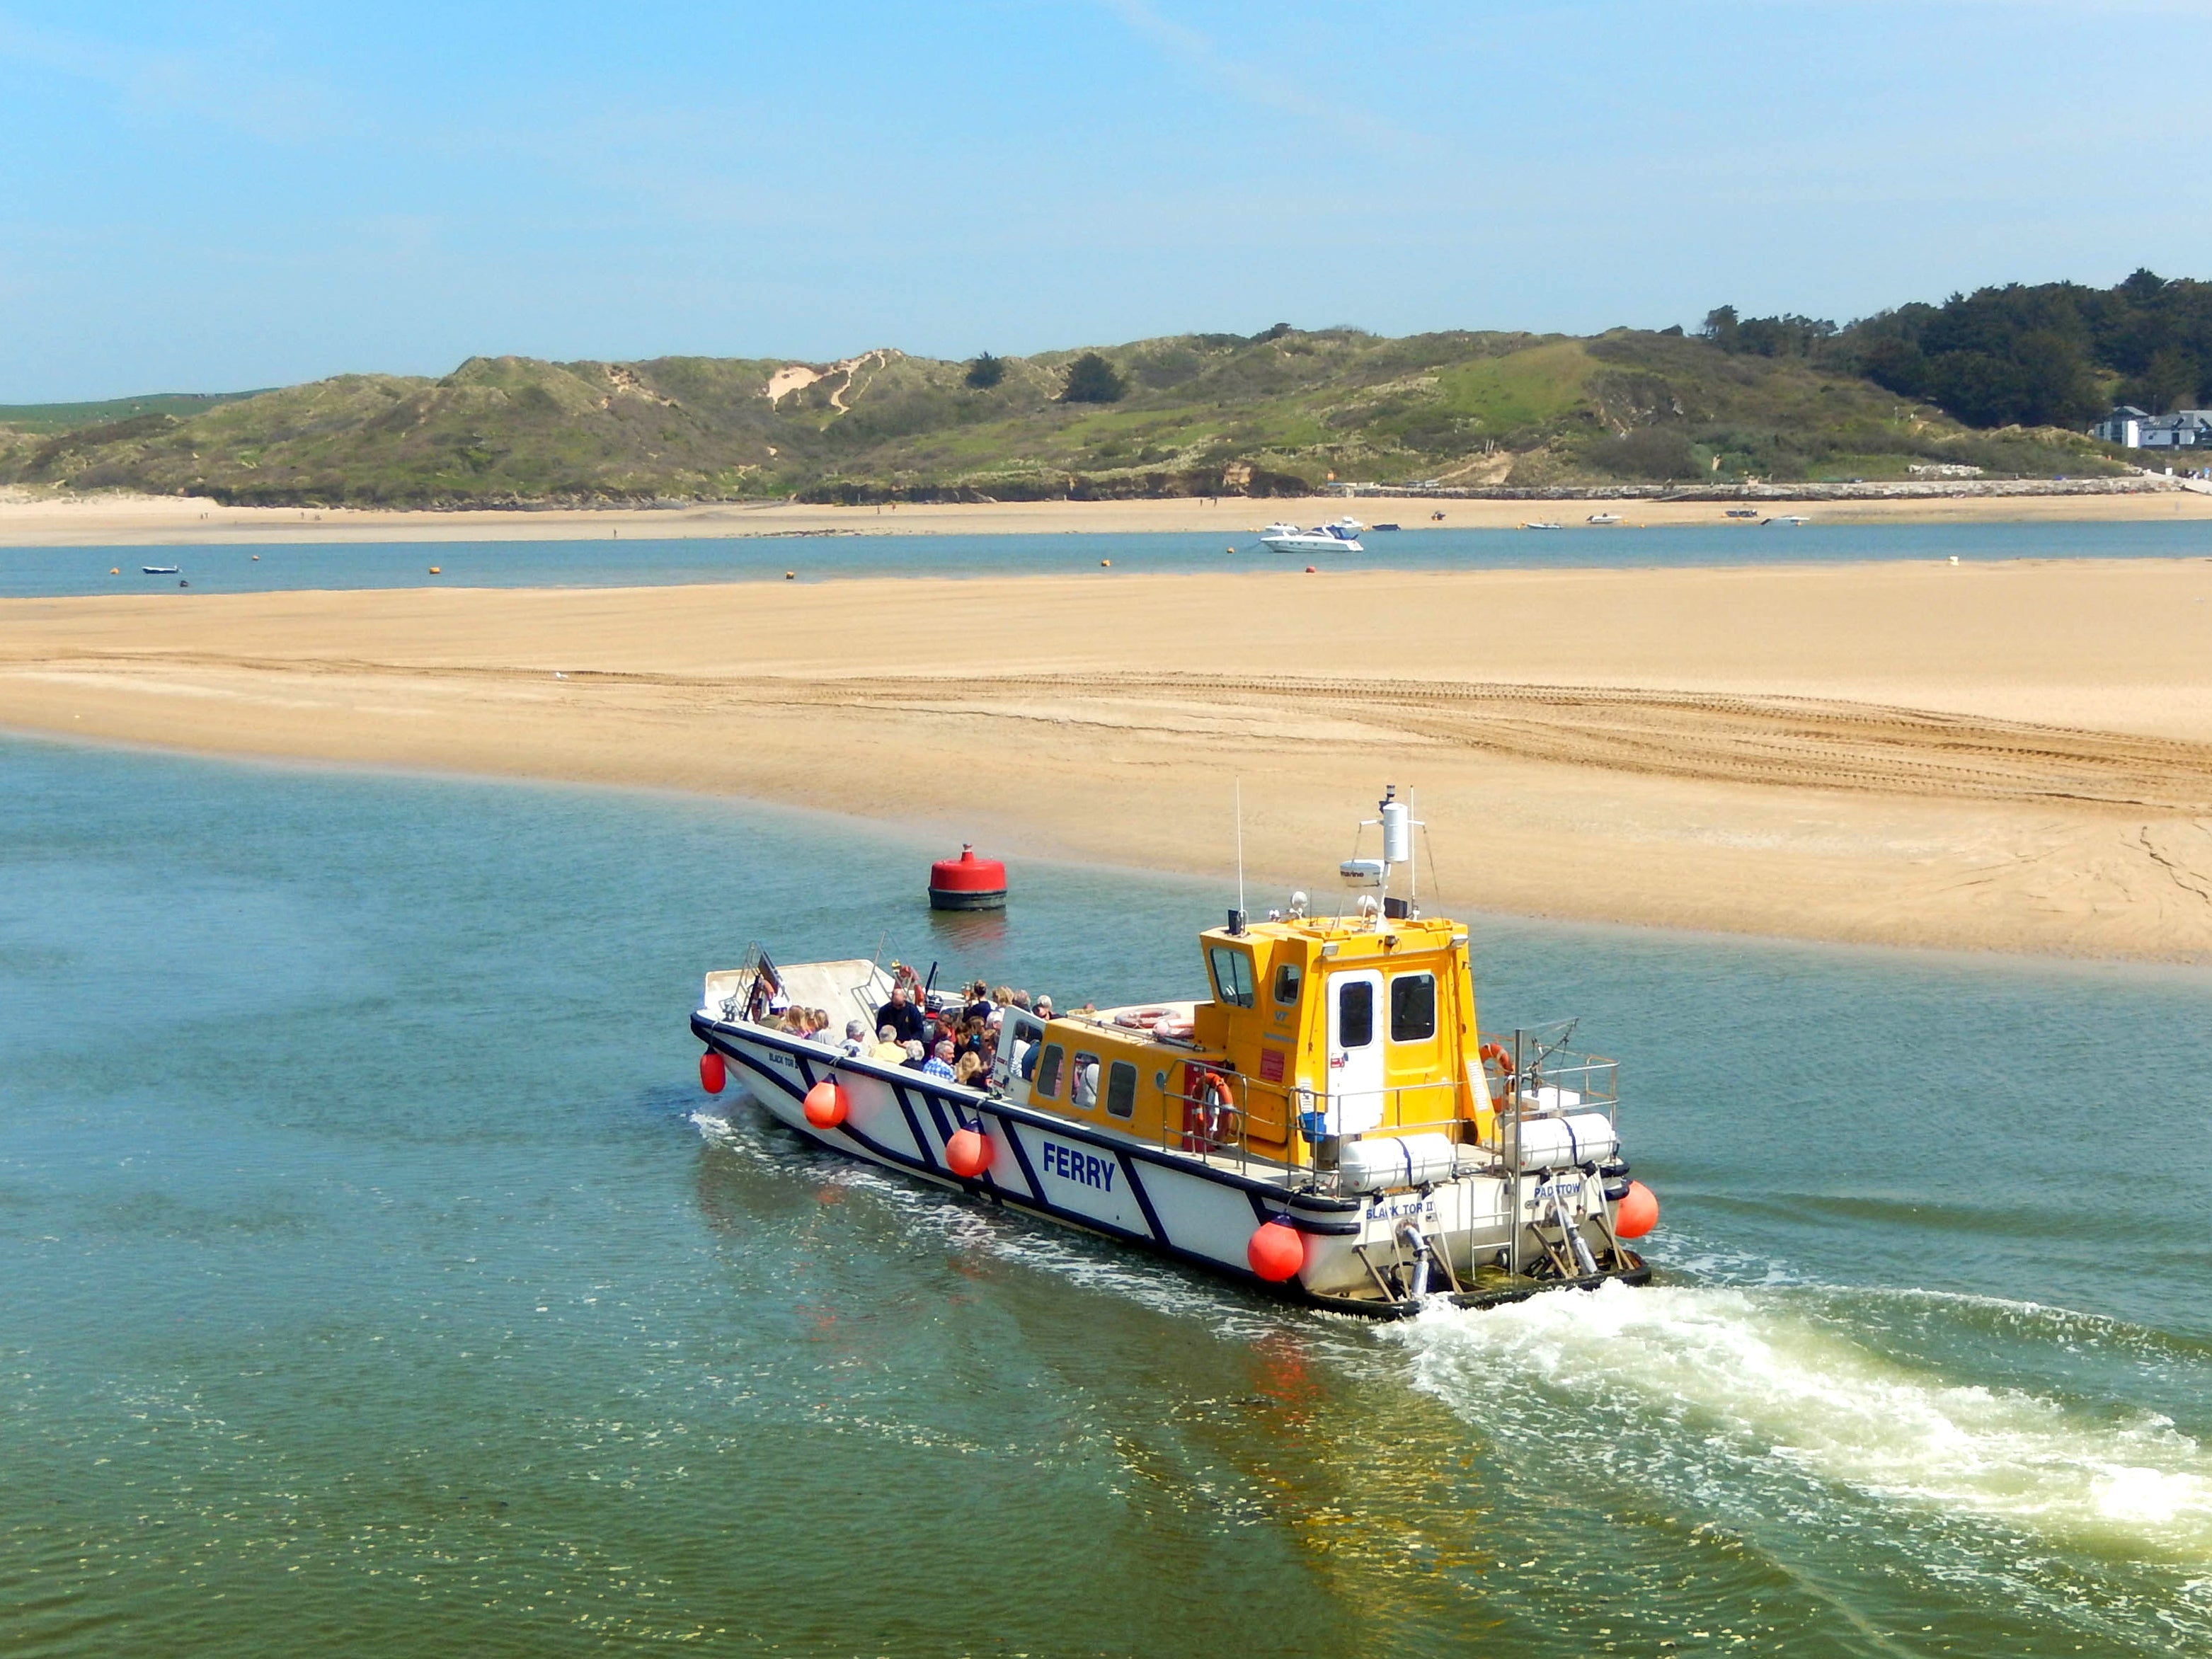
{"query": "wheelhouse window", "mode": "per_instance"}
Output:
(1232, 976)
(1412, 1007)
(1048, 1070)
(1289, 977)
(1121, 1089)
(1355, 1013)
(1085, 1095)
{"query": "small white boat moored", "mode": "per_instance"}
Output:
(1337, 536)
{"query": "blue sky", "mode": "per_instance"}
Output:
(208, 196)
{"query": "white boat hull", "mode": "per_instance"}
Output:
(1311, 544)
(1159, 1198)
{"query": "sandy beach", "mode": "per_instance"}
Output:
(115, 519)
(2011, 757)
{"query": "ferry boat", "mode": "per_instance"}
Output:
(1337, 535)
(1331, 1122)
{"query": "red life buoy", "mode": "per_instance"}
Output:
(1209, 1113)
(1490, 1052)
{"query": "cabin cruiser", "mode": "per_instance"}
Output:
(1329, 1121)
(1337, 536)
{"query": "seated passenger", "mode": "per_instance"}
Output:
(856, 1039)
(939, 1063)
(901, 1016)
(914, 1053)
(1044, 1007)
(888, 1049)
(970, 1069)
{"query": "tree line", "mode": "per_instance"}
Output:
(2050, 354)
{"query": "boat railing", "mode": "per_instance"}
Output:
(1214, 1112)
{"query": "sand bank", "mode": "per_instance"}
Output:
(2013, 756)
(124, 520)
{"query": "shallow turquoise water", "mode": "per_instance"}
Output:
(635, 562)
(376, 1282)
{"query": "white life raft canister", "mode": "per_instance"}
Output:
(1381, 1162)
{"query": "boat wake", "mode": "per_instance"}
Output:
(1765, 1375)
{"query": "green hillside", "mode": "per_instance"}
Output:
(69, 417)
(1274, 413)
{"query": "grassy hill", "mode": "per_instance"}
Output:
(1274, 413)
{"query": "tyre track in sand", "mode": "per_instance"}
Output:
(1791, 742)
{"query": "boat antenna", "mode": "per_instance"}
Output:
(1240, 855)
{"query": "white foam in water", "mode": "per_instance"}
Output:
(1743, 1365)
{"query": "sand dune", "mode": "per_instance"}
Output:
(2012, 756)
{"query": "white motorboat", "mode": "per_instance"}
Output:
(1605, 517)
(1337, 536)
(1539, 523)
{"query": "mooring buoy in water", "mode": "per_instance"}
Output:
(967, 883)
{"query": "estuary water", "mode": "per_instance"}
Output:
(378, 1282)
(615, 561)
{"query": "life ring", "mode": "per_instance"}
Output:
(1210, 1119)
(1139, 1019)
(1487, 1052)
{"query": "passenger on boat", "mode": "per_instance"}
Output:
(915, 1055)
(968, 1068)
(939, 1063)
(901, 1016)
(979, 1003)
(856, 1039)
(888, 1049)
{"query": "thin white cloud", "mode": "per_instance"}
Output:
(231, 83)
(1295, 96)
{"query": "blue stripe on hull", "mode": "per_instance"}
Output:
(848, 1138)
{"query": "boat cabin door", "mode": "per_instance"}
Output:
(1019, 1037)
(1355, 1051)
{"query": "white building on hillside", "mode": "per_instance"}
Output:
(2185, 428)
(2123, 426)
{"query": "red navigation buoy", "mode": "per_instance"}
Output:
(1637, 1213)
(967, 883)
(1276, 1251)
(713, 1074)
(967, 1153)
(826, 1105)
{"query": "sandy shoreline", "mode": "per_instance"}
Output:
(122, 520)
(2014, 757)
